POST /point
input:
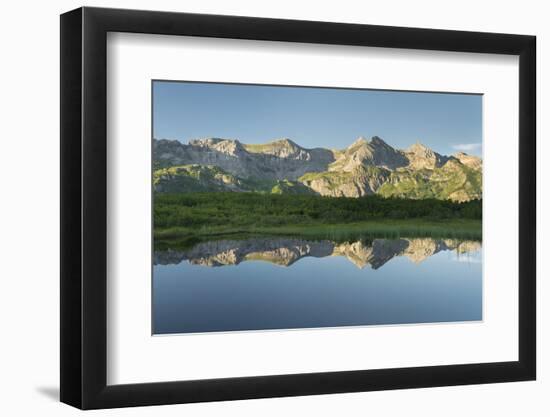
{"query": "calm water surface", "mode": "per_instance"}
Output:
(289, 283)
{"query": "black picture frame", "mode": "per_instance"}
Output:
(84, 207)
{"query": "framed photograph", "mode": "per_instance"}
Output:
(258, 208)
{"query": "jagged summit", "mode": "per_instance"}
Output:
(284, 142)
(468, 160)
(418, 147)
(281, 148)
(361, 140)
(460, 155)
(210, 141)
(364, 167)
(373, 152)
(422, 157)
(287, 251)
(375, 140)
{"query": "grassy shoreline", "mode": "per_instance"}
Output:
(454, 228)
(193, 217)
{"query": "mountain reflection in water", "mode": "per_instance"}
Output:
(265, 283)
(286, 251)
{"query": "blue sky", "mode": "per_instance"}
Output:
(316, 117)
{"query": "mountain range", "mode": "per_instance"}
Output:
(282, 166)
(287, 251)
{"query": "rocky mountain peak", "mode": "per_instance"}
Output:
(286, 251)
(468, 160)
(373, 152)
(361, 140)
(225, 146)
(207, 142)
(377, 141)
(422, 157)
(286, 142)
(419, 148)
(285, 146)
(364, 167)
(281, 148)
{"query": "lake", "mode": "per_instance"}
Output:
(266, 283)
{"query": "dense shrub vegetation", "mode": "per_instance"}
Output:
(196, 210)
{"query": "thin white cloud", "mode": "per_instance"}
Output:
(467, 146)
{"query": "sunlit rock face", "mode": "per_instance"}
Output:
(279, 251)
(419, 250)
(278, 160)
(420, 156)
(367, 166)
(373, 152)
(286, 251)
(469, 160)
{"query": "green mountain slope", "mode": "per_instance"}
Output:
(198, 178)
(366, 167)
(453, 181)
